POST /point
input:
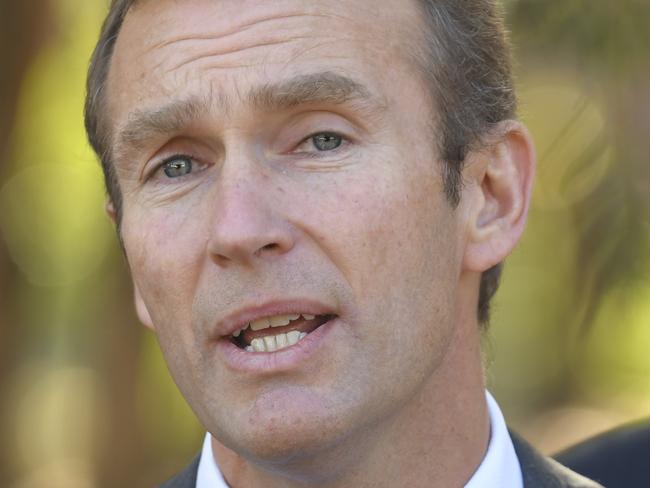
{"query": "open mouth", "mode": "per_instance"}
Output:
(276, 332)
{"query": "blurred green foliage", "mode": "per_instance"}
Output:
(604, 47)
(86, 400)
(607, 36)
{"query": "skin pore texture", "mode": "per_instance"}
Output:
(259, 215)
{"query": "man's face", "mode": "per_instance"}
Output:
(276, 158)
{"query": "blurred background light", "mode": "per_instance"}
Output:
(573, 146)
(53, 422)
(52, 222)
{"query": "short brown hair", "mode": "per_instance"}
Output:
(465, 57)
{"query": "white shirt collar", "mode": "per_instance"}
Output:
(500, 466)
(209, 475)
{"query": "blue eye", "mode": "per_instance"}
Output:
(326, 141)
(177, 166)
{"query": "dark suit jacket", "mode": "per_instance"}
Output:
(187, 478)
(619, 458)
(542, 472)
(538, 472)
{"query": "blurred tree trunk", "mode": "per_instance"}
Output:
(121, 452)
(24, 28)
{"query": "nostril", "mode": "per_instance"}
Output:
(272, 247)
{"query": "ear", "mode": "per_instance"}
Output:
(141, 308)
(501, 179)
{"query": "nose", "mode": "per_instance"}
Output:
(247, 221)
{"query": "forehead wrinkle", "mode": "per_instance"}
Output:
(229, 38)
(232, 50)
(222, 65)
(222, 35)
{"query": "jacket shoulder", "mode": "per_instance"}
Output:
(541, 472)
(616, 458)
(186, 478)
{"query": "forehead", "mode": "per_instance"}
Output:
(171, 47)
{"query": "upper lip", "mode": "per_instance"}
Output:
(240, 318)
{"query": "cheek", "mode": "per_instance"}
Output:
(394, 236)
(164, 251)
(387, 228)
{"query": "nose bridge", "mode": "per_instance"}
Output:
(247, 218)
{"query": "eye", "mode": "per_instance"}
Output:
(322, 141)
(177, 166)
(326, 141)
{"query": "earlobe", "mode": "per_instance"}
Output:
(141, 308)
(110, 210)
(504, 188)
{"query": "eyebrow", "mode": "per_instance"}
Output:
(143, 125)
(318, 88)
(324, 88)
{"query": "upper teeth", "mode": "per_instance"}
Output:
(273, 321)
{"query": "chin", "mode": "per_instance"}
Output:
(284, 442)
(283, 431)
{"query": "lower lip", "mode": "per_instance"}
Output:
(272, 362)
